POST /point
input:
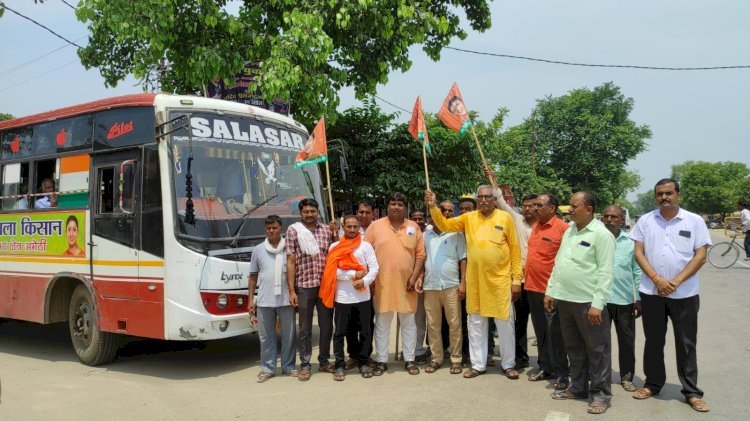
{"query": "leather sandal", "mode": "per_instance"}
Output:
(561, 395)
(432, 367)
(379, 369)
(471, 373)
(597, 407)
(411, 368)
(456, 368)
(643, 393)
(561, 383)
(511, 373)
(628, 386)
(698, 404)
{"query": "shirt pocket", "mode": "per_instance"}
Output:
(496, 236)
(409, 242)
(683, 244)
(581, 253)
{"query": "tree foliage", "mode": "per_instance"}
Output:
(307, 51)
(710, 187)
(6, 116)
(580, 141)
(587, 138)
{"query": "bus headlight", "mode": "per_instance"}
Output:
(222, 301)
(239, 301)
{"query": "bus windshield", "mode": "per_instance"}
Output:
(238, 163)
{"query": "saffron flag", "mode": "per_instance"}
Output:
(316, 149)
(417, 127)
(453, 113)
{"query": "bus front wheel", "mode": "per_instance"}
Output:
(93, 346)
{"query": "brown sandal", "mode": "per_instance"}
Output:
(432, 367)
(561, 395)
(471, 373)
(304, 374)
(597, 407)
(411, 368)
(698, 404)
(511, 373)
(643, 393)
(456, 368)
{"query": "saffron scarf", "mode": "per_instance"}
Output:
(339, 257)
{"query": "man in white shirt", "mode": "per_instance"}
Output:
(745, 219)
(670, 248)
(49, 200)
(355, 268)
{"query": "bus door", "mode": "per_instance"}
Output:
(114, 214)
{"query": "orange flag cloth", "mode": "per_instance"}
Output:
(339, 257)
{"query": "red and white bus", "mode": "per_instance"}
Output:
(136, 215)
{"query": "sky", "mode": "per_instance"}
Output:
(694, 115)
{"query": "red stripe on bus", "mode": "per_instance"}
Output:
(133, 100)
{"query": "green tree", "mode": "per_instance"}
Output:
(383, 157)
(307, 51)
(644, 203)
(586, 138)
(710, 187)
(6, 116)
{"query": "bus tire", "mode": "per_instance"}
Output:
(92, 346)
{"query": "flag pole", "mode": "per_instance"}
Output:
(424, 157)
(481, 153)
(330, 195)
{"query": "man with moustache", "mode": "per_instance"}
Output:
(353, 340)
(670, 247)
(443, 288)
(307, 244)
(623, 306)
(422, 353)
(523, 222)
(399, 248)
(544, 243)
(579, 287)
(493, 279)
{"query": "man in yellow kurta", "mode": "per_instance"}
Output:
(493, 277)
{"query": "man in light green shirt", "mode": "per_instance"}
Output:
(580, 287)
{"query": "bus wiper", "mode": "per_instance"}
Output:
(244, 218)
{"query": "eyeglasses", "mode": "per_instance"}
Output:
(485, 197)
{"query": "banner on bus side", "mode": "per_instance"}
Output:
(44, 234)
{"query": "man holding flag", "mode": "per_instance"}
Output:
(493, 278)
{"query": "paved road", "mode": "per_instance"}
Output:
(41, 379)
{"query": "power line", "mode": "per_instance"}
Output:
(38, 76)
(68, 4)
(622, 66)
(13, 69)
(392, 104)
(39, 24)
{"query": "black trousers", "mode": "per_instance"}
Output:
(343, 314)
(353, 338)
(684, 315)
(552, 356)
(522, 324)
(622, 317)
(589, 348)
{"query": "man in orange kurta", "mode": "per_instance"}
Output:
(494, 272)
(399, 249)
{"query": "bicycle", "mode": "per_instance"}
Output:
(725, 254)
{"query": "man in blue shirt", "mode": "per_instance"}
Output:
(443, 287)
(624, 306)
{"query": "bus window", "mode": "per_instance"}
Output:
(106, 190)
(44, 172)
(15, 179)
(152, 229)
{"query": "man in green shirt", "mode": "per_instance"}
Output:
(580, 287)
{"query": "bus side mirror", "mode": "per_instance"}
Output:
(125, 188)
